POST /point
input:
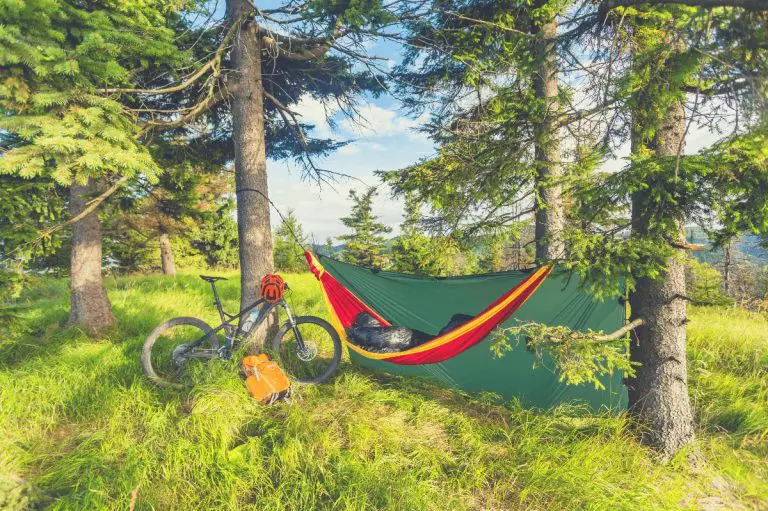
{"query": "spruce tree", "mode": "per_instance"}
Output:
(215, 235)
(27, 207)
(150, 216)
(55, 58)
(630, 223)
(488, 72)
(365, 245)
(328, 247)
(639, 67)
(413, 251)
(289, 240)
(254, 66)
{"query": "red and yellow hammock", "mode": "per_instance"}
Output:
(344, 307)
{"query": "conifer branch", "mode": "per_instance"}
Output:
(89, 208)
(617, 334)
(321, 46)
(212, 98)
(284, 112)
(750, 5)
(213, 64)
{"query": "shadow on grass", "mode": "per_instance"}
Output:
(571, 421)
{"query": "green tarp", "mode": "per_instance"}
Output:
(427, 303)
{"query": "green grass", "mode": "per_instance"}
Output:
(81, 428)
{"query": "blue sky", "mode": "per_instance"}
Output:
(389, 141)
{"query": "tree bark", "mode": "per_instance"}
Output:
(727, 266)
(89, 304)
(166, 255)
(549, 210)
(253, 226)
(658, 394)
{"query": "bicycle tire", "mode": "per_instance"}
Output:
(146, 350)
(286, 328)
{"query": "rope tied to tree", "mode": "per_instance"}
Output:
(279, 213)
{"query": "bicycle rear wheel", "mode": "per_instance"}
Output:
(320, 356)
(172, 345)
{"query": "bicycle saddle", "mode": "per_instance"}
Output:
(208, 278)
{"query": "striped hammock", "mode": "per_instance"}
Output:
(344, 306)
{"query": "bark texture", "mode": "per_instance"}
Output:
(727, 266)
(550, 214)
(658, 394)
(89, 304)
(166, 255)
(253, 224)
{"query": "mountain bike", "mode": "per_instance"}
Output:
(308, 348)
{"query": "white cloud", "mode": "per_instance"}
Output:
(315, 112)
(357, 146)
(349, 149)
(319, 209)
(377, 121)
(373, 121)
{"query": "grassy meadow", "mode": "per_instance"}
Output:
(81, 428)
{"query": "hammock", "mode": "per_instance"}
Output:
(460, 358)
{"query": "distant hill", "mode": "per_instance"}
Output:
(745, 248)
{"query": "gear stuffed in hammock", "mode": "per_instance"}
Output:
(368, 333)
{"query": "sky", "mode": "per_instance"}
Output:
(389, 141)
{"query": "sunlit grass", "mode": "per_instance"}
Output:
(81, 428)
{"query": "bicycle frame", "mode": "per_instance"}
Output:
(233, 332)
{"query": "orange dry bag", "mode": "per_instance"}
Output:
(264, 379)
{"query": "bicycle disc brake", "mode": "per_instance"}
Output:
(308, 353)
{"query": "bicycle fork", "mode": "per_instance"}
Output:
(292, 322)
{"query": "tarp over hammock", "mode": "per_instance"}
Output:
(461, 358)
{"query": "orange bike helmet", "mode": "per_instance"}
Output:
(272, 288)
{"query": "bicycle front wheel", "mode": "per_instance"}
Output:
(314, 357)
(173, 344)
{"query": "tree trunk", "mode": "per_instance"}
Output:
(253, 226)
(90, 307)
(166, 255)
(727, 266)
(550, 215)
(658, 394)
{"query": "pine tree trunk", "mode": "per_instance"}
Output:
(550, 214)
(166, 255)
(658, 394)
(253, 226)
(89, 304)
(727, 266)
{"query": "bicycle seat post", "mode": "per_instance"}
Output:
(217, 300)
